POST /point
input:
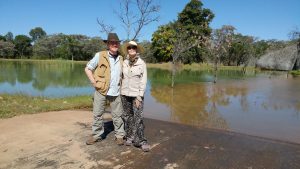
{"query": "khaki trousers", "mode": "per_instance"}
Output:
(116, 111)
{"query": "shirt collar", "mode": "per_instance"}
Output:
(111, 57)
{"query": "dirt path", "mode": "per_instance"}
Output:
(38, 137)
(57, 140)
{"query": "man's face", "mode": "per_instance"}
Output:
(113, 46)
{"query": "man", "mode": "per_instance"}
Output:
(104, 72)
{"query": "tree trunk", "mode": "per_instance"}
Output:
(215, 69)
(173, 73)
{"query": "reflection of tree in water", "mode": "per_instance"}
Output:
(297, 107)
(197, 104)
(8, 73)
(188, 104)
(24, 71)
(44, 74)
(62, 74)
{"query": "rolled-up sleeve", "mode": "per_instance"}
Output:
(92, 64)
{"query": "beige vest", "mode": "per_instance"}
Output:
(102, 72)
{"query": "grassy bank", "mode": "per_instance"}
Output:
(152, 65)
(164, 65)
(45, 61)
(195, 66)
(13, 105)
(295, 72)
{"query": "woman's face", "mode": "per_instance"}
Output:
(131, 50)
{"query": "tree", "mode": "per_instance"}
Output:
(23, 45)
(2, 38)
(295, 34)
(90, 46)
(162, 43)
(221, 41)
(260, 48)
(6, 49)
(104, 28)
(189, 33)
(194, 21)
(37, 33)
(241, 50)
(46, 47)
(134, 16)
(9, 37)
(148, 55)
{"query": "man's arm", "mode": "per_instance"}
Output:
(90, 67)
(89, 74)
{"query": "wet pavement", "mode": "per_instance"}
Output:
(187, 147)
(180, 146)
(172, 146)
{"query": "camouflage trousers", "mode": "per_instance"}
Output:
(133, 120)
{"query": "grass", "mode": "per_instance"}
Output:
(295, 72)
(164, 65)
(13, 105)
(45, 61)
(195, 66)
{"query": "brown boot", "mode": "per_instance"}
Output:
(91, 140)
(119, 141)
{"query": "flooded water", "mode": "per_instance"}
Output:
(265, 104)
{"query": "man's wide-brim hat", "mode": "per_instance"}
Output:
(112, 37)
(139, 49)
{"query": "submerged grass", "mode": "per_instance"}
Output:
(13, 105)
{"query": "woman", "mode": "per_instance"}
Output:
(132, 94)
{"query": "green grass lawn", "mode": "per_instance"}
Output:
(13, 105)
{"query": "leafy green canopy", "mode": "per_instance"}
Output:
(181, 39)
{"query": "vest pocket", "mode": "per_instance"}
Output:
(100, 84)
(101, 71)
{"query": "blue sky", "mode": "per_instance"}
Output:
(265, 19)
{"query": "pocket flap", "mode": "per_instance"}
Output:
(100, 80)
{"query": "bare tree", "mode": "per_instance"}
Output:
(219, 45)
(104, 28)
(126, 16)
(136, 14)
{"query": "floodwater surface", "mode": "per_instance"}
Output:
(264, 104)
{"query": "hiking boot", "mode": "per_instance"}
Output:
(92, 140)
(119, 141)
(145, 147)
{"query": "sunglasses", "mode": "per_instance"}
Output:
(131, 47)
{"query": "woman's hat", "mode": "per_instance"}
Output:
(139, 49)
(112, 37)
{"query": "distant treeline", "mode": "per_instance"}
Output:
(43, 46)
(189, 39)
(81, 47)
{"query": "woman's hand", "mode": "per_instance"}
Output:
(138, 101)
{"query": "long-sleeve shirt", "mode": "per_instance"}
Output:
(134, 78)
